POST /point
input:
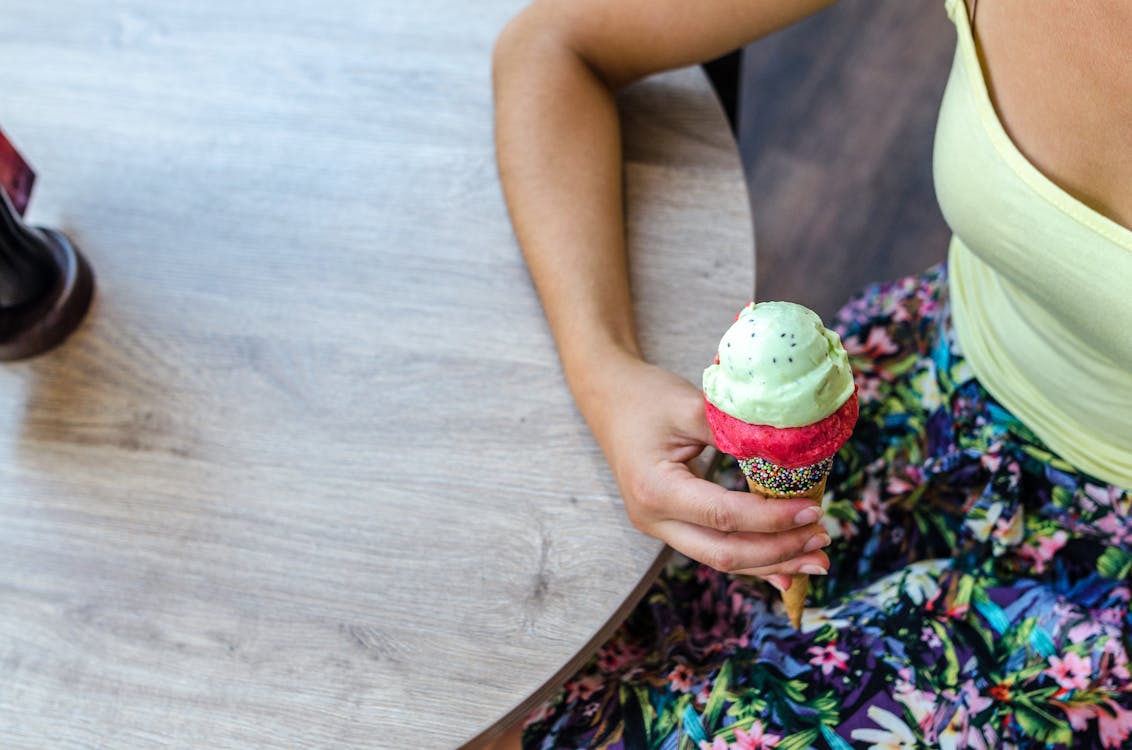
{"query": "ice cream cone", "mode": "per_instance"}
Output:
(780, 397)
(794, 597)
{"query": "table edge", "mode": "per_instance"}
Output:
(576, 662)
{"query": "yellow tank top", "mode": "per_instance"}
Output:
(1040, 283)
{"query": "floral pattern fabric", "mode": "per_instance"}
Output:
(978, 596)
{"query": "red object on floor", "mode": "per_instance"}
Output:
(16, 177)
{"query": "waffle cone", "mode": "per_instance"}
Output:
(794, 597)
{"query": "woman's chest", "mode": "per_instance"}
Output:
(1060, 77)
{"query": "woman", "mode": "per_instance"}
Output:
(978, 522)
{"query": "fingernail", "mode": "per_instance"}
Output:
(813, 570)
(809, 515)
(817, 541)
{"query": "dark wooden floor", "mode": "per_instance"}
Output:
(836, 120)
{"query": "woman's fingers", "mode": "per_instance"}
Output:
(812, 563)
(696, 501)
(741, 551)
(780, 581)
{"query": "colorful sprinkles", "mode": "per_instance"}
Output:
(783, 481)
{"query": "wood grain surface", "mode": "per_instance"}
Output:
(309, 476)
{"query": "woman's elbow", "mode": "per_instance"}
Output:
(507, 46)
(520, 45)
(542, 41)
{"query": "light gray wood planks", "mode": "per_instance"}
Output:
(308, 476)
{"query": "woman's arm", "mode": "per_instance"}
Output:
(556, 68)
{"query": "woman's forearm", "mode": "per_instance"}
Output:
(558, 144)
(559, 151)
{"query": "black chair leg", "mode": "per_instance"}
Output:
(724, 74)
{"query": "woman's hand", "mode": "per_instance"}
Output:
(651, 425)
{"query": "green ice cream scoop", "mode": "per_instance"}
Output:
(779, 366)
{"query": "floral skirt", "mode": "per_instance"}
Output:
(978, 596)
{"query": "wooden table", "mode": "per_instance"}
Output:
(309, 476)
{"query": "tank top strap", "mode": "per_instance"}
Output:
(959, 6)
